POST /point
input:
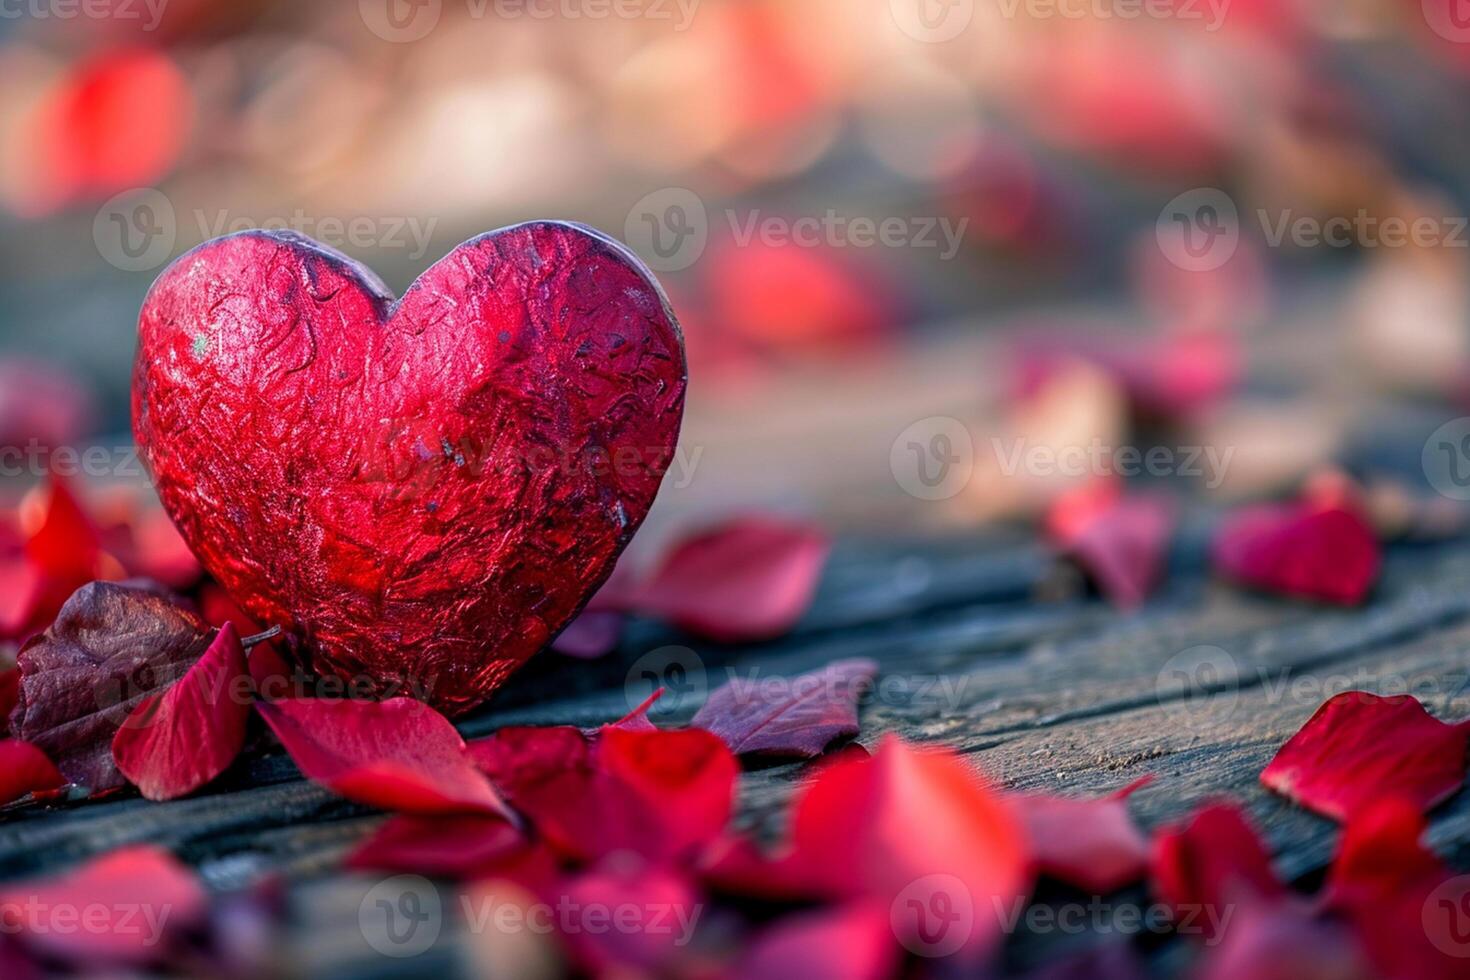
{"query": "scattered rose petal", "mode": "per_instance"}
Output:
(174, 742)
(850, 942)
(661, 794)
(871, 828)
(1093, 844)
(111, 646)
(1281, 941)
(788, 716)
(748, 579)
(464, 847)
(1213, 862)
(24, 769)
(1358, 748)
(591, 635)
(132, 887)
(1400, 898)
(1121, 542)
(660, 909)
(398, 754)
(1304, 550)
(636, 720)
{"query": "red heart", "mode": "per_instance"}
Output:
(423, 492)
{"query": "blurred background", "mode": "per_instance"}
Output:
(907, 239)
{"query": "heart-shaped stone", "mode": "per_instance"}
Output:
(424, 492)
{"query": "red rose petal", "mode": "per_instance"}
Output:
(748, 579)
(796, 716)
(24, 769)
(464, 847)
(1306, 550)
(9, 695)
(175, 742)
(660, 794)
(1213, 862)
(142, 894)
(874, 827)
(111, 646)
(1281, 941)
(398, 754)
(636, 720)
(1358, 748)
(1093, 844)
(1404, 904)
(850, 942)
(1121, 542)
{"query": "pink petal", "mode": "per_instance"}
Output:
(748, 579)
(1093, 844)
(25, 769)
(465, 847)
(1305, 550)
(849, 942)
(1213, 862)
(1121, 544)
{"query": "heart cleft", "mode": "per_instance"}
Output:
(422, 493)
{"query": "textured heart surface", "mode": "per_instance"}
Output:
(421, 492)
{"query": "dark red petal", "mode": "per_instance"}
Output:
(1121, 543)
(112, 645)
(748, 579)
(1212, 863)
(1304, 550)
(175, 742)
(849, 942)
(9, 694)
(1358, 748)
(788, 716)
(24, 769)
(1093, 844)
(398, 754)
(144, 897)
(463, 847)
(876, 827)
